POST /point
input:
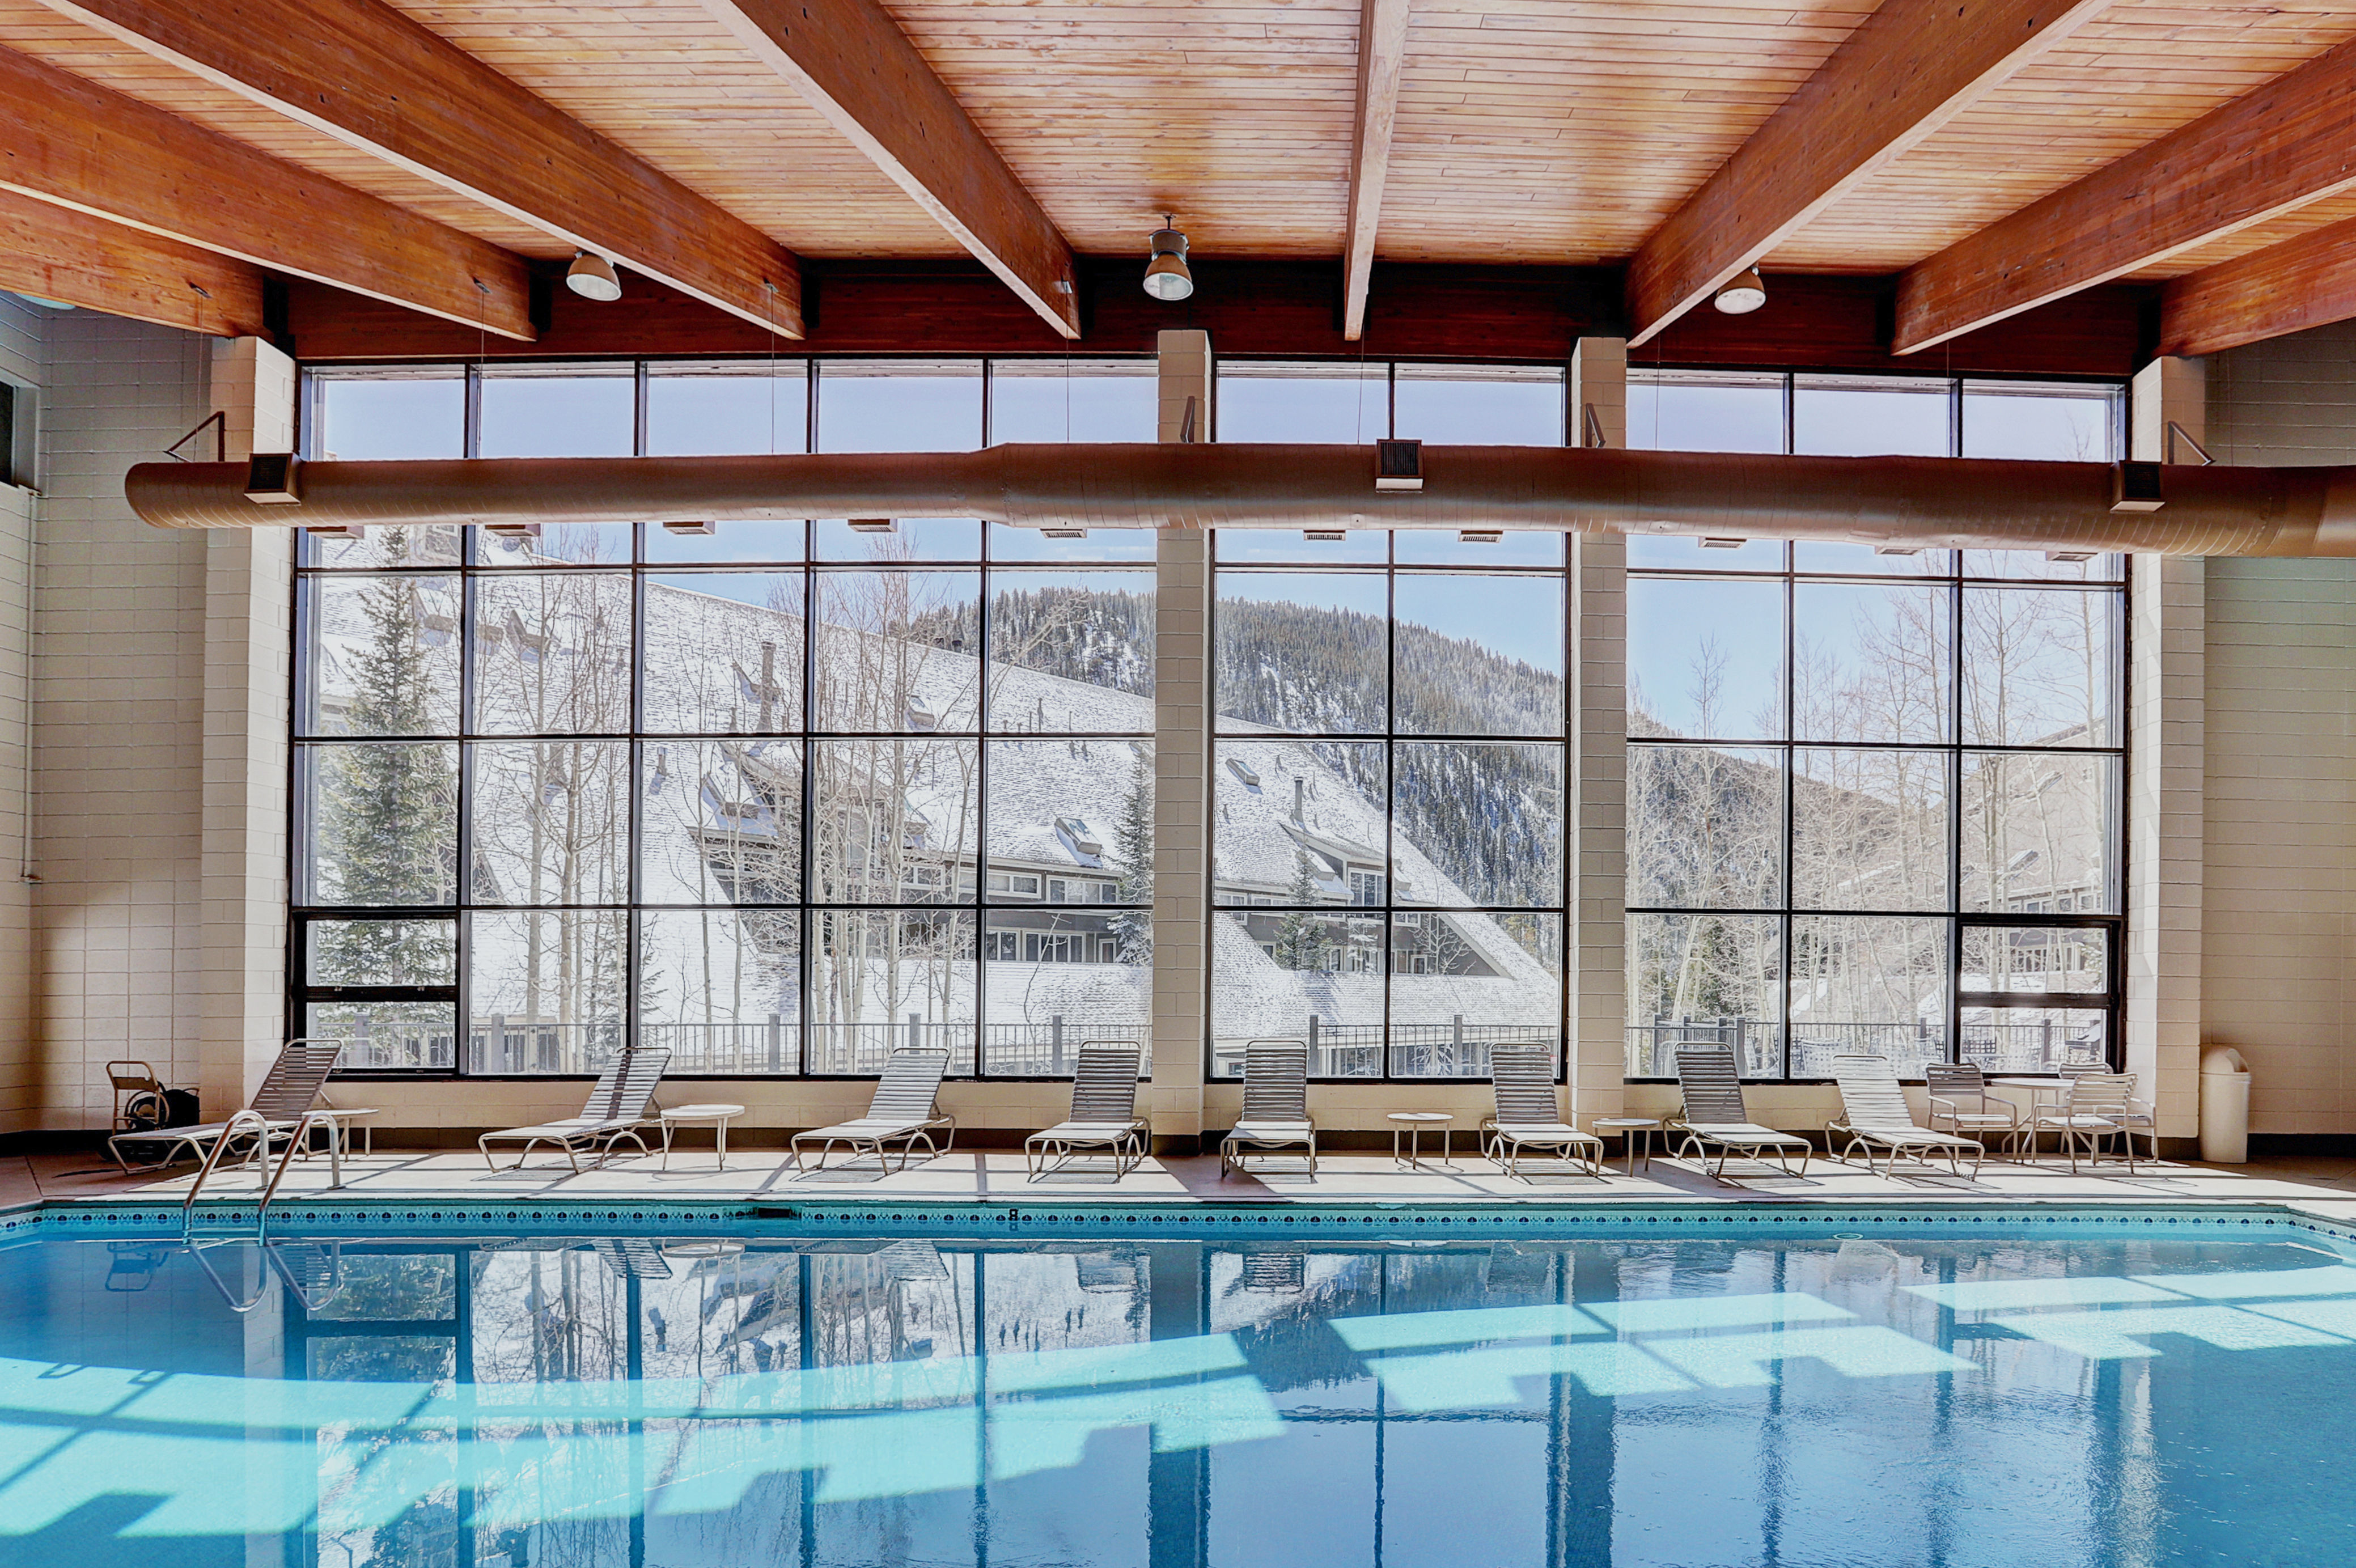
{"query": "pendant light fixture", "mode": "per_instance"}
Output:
(1743, 293)
(1166, 277)
(592, 276)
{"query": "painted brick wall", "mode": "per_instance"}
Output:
(22, 362)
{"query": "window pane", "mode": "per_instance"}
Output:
(1713, 979)
(2040, 666)
(552, 653)
(424, 544)
(897, 650)
(892, 820)
(1302, 651)
(1072, 650)
(551, 822)
(1299, 822)
(724, 652)
(720, 822)
(389, 416)
(2037, 959)
(1480, 406)
(1356, 547)
(1312, 975)
(1072, 823)
(546, 991)
(1477, 654)
(381, 656)
(387, 1035)
(1865, 416)
(380, 952)
(1477, 824)
(883, 979)
(1866, 560)
(1704, 411)
(1059, 980)
(2026, 419)
(1868, 830)
(737, 539)
(557, 545)
(1462, 983)
(899, 405)
(559, 410)
(1447, 547)
(2035, 1039)
(1868, 987)
(722, 990)
(2041, 833)
(1276, 401)
(732, 407)
(1705, 827)
(1705, 659)
(910, 539)
(1012, 543)
(1073, 400)
(1871, 663)
(2028, 565)
(382, 824)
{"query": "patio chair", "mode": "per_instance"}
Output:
(2100, 1104)
(1714, 1117)
(1874, 1114)
(1276, 1105)
(1521, 1078)
(620, 1104)
(278, 1111)
(903, 1112)
(1104, 1114)
(1960, 1103)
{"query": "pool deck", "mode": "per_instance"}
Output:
(2318, 1185)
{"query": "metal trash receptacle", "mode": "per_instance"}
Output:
(2224, 1106)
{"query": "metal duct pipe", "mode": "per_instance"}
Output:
(1973, 503)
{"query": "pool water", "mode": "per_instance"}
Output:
(2066, 1398)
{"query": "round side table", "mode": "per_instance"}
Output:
(698, 1115)
(1631, 1129)
(1413, 1122)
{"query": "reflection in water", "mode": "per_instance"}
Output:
(624, 1402)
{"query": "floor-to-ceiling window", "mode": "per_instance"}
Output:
(1388, 760)
(1874, 797)
(778, 797)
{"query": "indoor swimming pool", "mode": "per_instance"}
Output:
(2078, 1392)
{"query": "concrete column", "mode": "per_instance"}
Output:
(2167, 691)
(1598, 826)
(1182, 769)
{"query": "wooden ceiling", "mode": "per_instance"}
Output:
(1983, 158)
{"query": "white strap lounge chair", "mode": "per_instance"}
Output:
(276, 1112)
(1874, 1114)
(2100, 1104)
(1276, 1105)
(1528, 1114)
(1104, 1114)
(903, 1112)
(1714, 1116)
(1960, 1103)
(619, 1106)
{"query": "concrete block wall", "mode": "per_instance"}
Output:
(23, 362)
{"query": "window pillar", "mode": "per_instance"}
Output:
(1182, 764)
(1598, 857)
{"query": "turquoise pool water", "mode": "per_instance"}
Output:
(2163, 1393)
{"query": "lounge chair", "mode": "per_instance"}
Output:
(619, 1106)
(2100, 1104)
(277, 1111)
(1528, 1114)
(1104, 1114)
(1715, 1117)
(1874, 1114)
(1960, 1103)
(1276, 1105)
(903, 1112)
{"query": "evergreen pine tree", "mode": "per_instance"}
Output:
(1133, 841)
(1301, 939)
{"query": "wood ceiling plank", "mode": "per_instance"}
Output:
(55, 253)
(1909, 68)
(67, 140)
(1382, 52)
(2265, 154)
(366, 74)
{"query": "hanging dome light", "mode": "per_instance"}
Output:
(1743, 293)
(592, 276)
(1166, 277)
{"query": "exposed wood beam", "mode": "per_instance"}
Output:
(2277, 149)
(2307, 280)
(55, 253)
(1382, 54)
(71, 142)
(366, 74)
(856, 67)
(1908, 68)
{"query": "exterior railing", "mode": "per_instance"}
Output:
(2039, 1046)
(1454, 1049)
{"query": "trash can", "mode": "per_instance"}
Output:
(2224, 1106)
